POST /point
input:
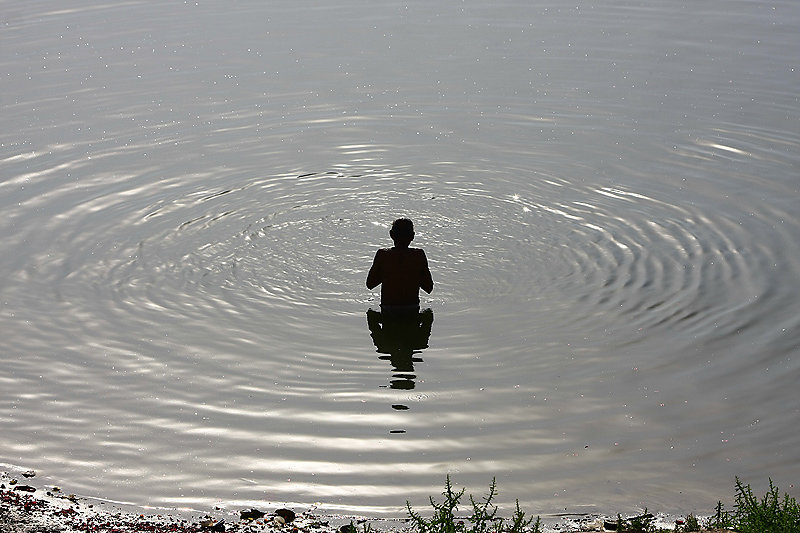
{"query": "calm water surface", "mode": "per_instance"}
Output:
(607, 192)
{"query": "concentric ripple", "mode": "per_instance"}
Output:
(608, 202)
(232, 317)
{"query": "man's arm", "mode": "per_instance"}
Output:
(426, 282)
(375, 275)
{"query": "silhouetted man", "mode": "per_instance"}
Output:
(401, 271)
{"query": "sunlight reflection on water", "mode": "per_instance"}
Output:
(608, 202)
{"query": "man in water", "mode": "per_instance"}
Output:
(401, 271)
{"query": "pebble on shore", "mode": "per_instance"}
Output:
(27, 509)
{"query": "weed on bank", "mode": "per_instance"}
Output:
(770, 514)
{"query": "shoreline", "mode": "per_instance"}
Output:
(30, 507)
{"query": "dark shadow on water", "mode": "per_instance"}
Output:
(400, 336)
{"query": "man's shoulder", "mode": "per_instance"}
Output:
(382, 254)
(414, 252)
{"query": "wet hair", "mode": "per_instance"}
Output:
(402, 229)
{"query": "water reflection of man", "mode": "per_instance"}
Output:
(401, 336)
(401, 271)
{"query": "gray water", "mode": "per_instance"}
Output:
(192, 193)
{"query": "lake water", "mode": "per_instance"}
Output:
(192, 193)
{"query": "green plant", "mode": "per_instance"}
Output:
(691, 523)
(351, 528)
(771, 514)
(721, 519)
(643, 523)
(484, 515)
(519, 523)
(443, 519)
(483, 518)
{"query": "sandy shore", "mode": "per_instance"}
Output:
(26, 507)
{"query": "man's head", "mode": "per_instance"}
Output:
(402, 232)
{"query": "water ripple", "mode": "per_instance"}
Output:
(608, 203)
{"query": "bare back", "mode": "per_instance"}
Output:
(401, 272)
